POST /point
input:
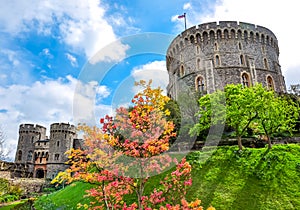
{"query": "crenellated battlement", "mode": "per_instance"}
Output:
(59, 127)
(32, 128)
(223, 30)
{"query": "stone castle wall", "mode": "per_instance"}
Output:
(223, 53)
(44, 157)
(62, 137)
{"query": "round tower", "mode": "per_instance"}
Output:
(209, 56)
(62, 136)
(28, 135)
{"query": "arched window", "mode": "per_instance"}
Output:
(198, 63)
(266, 63)
(198, 38)
(192, 39)
(182, 71)
(29, 156)
(217, 60)
(257, 37)
(242, 61)
(240, 46)
(181, 44)
(251, 36)
(205, 36)
(212, 35)
(216, 46)
(219, 34)
(57, 143)
(32, 138)
(200, 86)
(186, 41)
(270, 83)
(239, 34)
(56, 157)
(262, 39)
(271, 41)
(39, 173)
(245, 80)
(19, 155)
(245, 36)
(232, 34)
(226, 35)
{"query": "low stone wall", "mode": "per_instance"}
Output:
(5, 174)
(249, 142)
(30, 185)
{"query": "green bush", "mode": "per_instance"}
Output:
(4, 186)
(9, 192)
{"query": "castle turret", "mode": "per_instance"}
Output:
(62, 137)
(28, 135)
(209, 56)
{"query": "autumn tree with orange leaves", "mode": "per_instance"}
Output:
(129, 148)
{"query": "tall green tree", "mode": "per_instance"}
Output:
(241, 108)
(246, 106)
(276, 114)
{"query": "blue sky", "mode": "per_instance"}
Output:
(48, 46)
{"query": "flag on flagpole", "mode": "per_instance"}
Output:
(181, 16)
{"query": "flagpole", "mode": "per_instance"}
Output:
(184, 21)
(183, 16)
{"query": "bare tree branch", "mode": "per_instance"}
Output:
(3, 152)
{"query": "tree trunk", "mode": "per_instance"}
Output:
(240, 143)
(269, 142)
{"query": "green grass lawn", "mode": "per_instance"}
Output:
(15, 205)
(66, 198)
(253, 179)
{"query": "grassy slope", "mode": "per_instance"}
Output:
(254, 179)
(65, 199)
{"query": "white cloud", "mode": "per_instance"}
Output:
(187, 6)
(281, 17)
(11, 55)
(156, 70)
(14, 67)
(72, 59)
(46, 52)
(45, 103)
(81, 24)
(116, 51)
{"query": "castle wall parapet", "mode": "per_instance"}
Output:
(33, 128)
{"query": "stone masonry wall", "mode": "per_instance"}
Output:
(220, 53)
